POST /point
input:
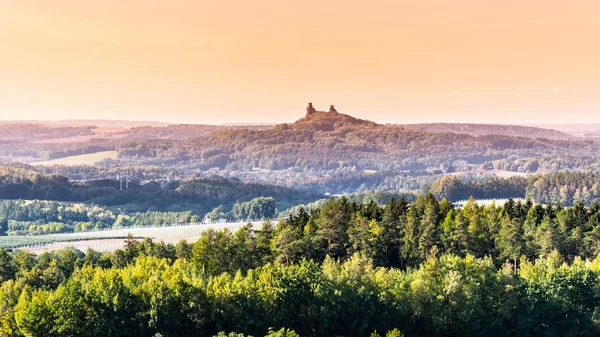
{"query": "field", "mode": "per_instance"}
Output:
(84, 159)
(110, 240)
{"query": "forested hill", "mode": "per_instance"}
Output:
(328, 121)
(328, 140)
(490, 129)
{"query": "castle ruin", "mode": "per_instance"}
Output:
(311, 110)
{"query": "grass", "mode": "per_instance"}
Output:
(83, 159)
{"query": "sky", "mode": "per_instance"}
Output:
(396, 61)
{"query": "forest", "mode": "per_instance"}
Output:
(347, 269)
(196, 194)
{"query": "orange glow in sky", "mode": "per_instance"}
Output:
(513, 61)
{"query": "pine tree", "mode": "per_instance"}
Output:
(332, 225)
(410, 242)
(548, 237)
(394, 213)
(510, 240)
(429, 236)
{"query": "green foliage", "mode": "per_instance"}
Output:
(104, 200)
(231, 334)
(281, 333)
(446, 296)
(457, 188)
(394, 333)
(258, 208)
(347, 269)
(565, 187)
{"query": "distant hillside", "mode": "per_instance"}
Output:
(183, 131)
(101, 123)
(329, 145)
(32, 132)
(73, 130)
(490, 129)
(328, 140)
(577, 129)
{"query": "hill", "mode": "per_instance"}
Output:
(330, 120)
(490, 129)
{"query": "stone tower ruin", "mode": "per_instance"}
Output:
(310, 110)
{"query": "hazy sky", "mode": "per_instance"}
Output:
(263, 60)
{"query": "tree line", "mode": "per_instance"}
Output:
(563, 187)
(36, 217)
